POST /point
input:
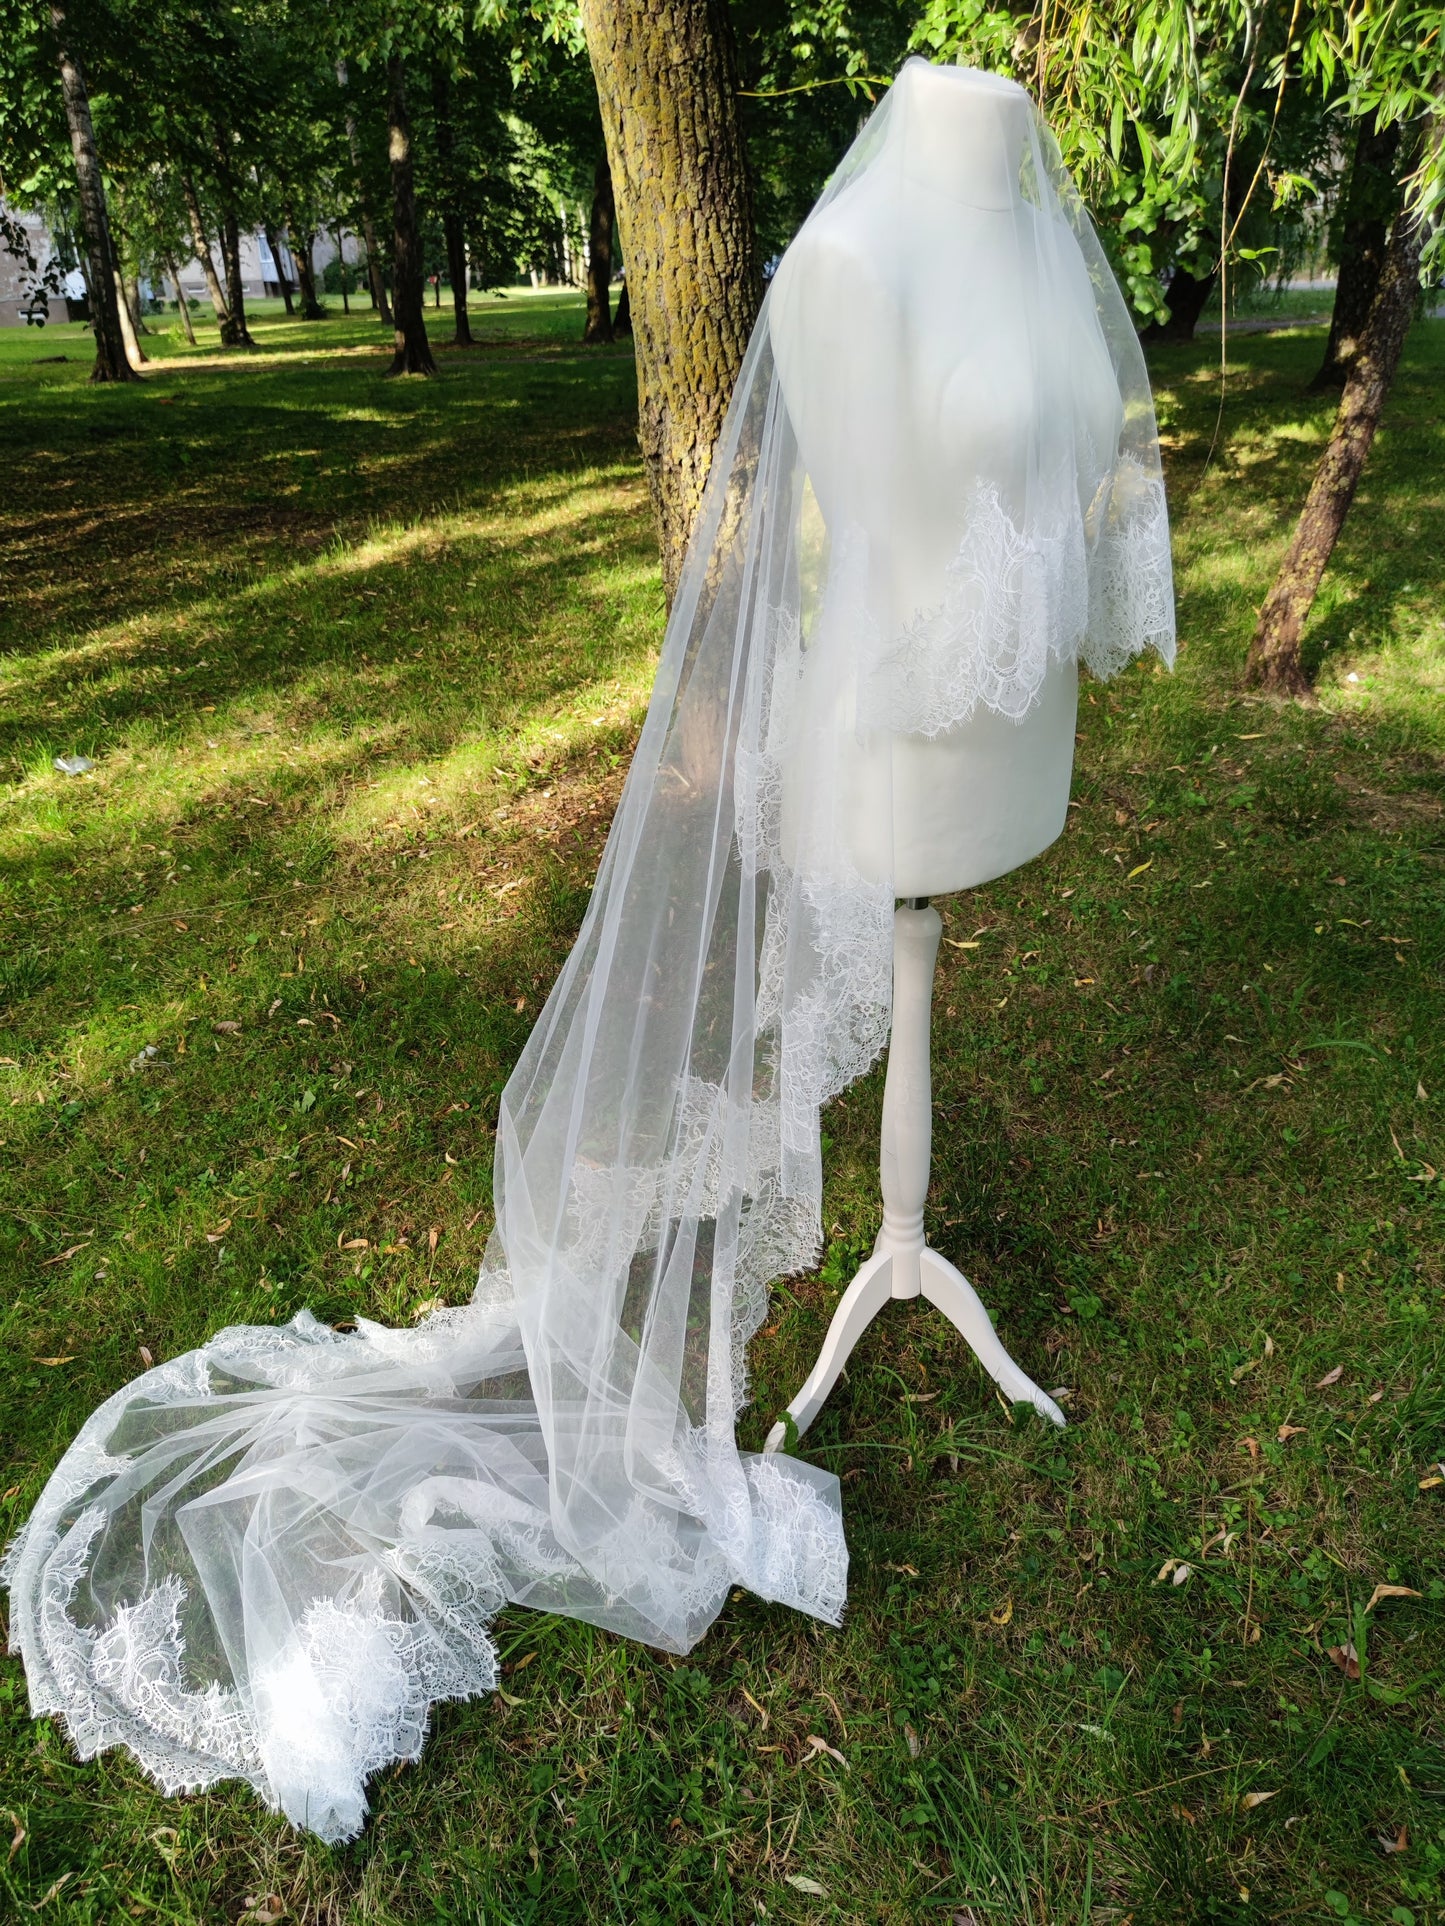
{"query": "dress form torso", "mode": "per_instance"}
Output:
(915, 354)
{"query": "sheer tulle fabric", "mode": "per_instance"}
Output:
(267, 1559)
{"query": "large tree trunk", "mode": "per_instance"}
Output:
(413, 350)
(111, 360)
(182, 304)
(368, 219)
(200, 243)
(599, 255)
(1186, 298)
(667, 85)
(234, 332)
(1274, 655)
(283, 279)
(1371, 203)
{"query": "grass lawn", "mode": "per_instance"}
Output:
(359, 665)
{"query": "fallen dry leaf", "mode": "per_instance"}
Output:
(1002, 1614)
(1331, 1377)
(1288, 1431)
(816, 1745)
(227, 1029)
(357, 1244)
(911, 1740)
(215, 1236)
(69, 1359)
(803, 1884)
(427, 1306)
(1390, 1591)
(761, 1710)
(19, 1839)
(145, 1356)
(1346, 1658)
(74, 1251)
(1251, 1445)
(1253, 1799)
(1398, 1841)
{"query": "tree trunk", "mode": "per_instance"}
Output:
(368, 220)
(130, 294)
(135, 354)
(452, 227)
(599, 256)
(1274, 655)
(182, 304)
(667, 85)
(341, 270)
(111, 360)
(311, 308)
(1372, 201)
(201, 244)
(234, 332)
(413, 350)
(283, 279)
(622, 320)
(1186, 297)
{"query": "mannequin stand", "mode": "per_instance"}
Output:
(902, 1265)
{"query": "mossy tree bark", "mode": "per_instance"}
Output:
(599, 255)
(413, 350)
(666, 74)
(1371, 202)
(1274, 662)
(111, 360)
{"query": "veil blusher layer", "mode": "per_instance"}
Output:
(268, 1558)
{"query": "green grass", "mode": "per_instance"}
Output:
(360, 664)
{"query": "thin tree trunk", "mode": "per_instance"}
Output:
(622, 320)
(339, 237)
(1274, 662)
(1186, 297)
(130, 293)
(667, 85)
(234, 333)
(283, 279)
(457, 271)
(413, 350)
(311, 308)
(1372, 201)
(111, 361)
(182, 304)
(200, 243)
(452, 227)
(368, 219)
(599, 256)
(135, 354)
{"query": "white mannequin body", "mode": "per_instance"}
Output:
(904, 301)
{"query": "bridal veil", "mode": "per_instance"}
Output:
(267, 1558)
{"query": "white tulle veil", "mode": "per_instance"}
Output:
(267, 1558)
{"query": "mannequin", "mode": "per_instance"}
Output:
(876, 314)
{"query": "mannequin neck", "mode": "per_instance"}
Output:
(960, 135)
